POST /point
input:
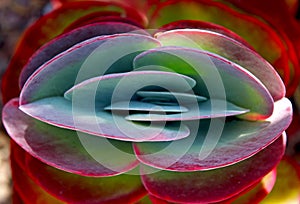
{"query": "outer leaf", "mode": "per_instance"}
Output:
(72, 188)
(63, 148)
(216, 77)
(83, 61)
(69, 39)
(256, 193)
(45, 29)
(214, 185)
(278, 15)
(203, 25)
(255, 31)
(69, 187)
(253, 194)
(28, 190)
(229, 49)
(239, 140)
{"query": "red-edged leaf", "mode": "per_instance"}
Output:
(255, 193)
(47, 28)
(69, 39)
(28, 192)
(214, 185)
(85, 60)
(188, 24)
(229, 49)
(77, 189)
(52, 183)
(256, 32)
(278, 14)
(238, 140)
(216, 77)
(65, 149)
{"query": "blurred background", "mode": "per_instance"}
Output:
(15, 16)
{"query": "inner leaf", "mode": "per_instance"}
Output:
(141, 106)
(202, 110)
(110, 89)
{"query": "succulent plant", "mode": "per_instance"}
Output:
(122, 100)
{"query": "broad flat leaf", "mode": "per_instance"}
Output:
(265, 40)
(69, 39)
(72, 188)
(101, 123)
(45, 29)
(48, 144)
(214, 185)
(83, 61)
(278, 15)
(216, 77)
(69, 187)
(251, 195)
(229, 49)
(238, 141)
(112, 88)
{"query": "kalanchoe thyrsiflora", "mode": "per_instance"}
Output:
(110, 112)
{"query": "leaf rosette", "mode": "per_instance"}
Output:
(188, 113)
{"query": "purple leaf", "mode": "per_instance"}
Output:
(238, 141)
(51, 183)
(214, 185)
(77, 153)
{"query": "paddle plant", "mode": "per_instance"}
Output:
(151, 101)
